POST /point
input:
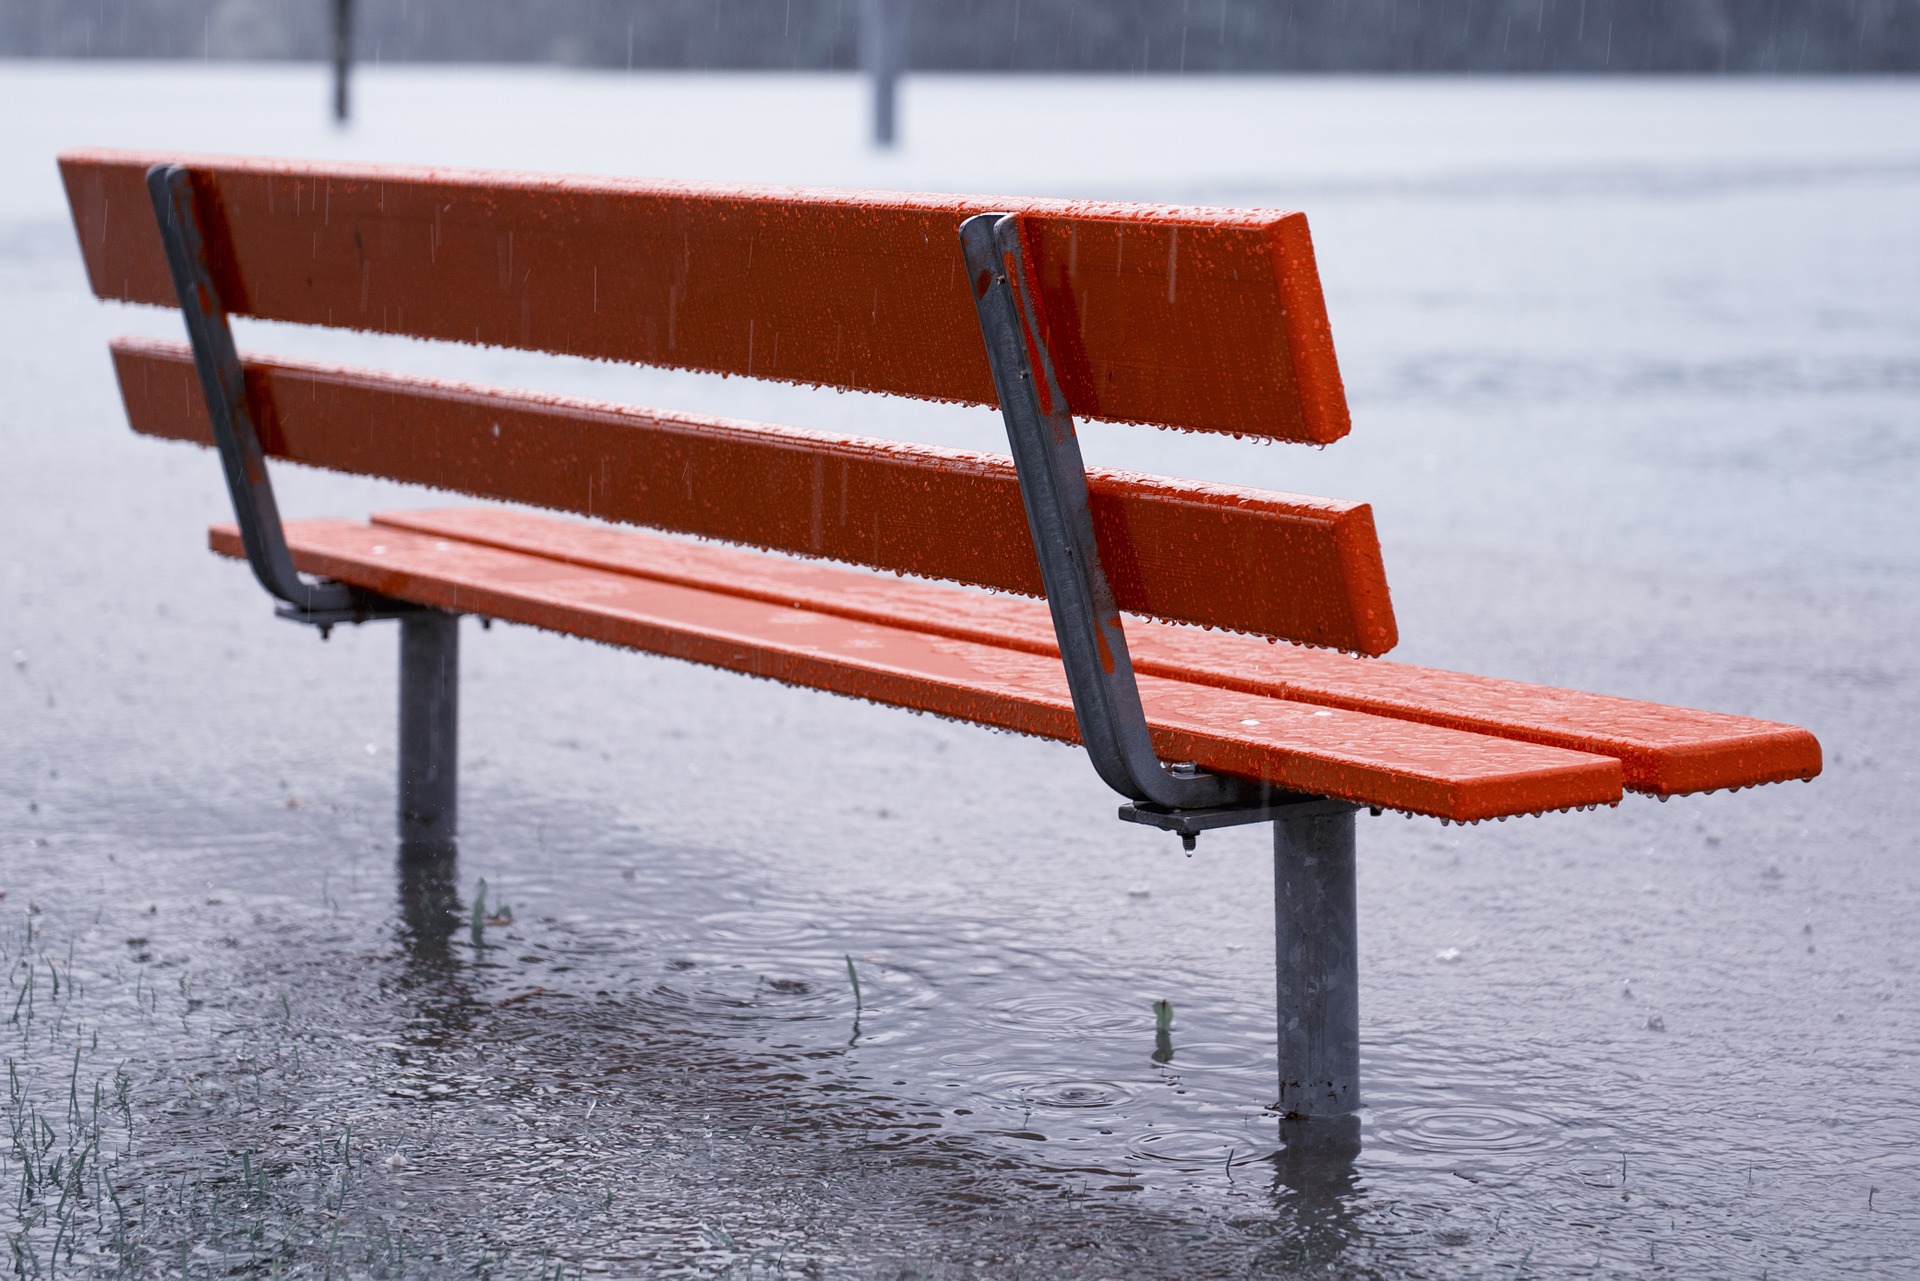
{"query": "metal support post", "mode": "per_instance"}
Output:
(429, 900)
(342, 56)
(185, 234)
(882, 55)
(1053, 488)
(429, 728)
(1317, 964)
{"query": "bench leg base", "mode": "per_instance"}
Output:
(1317, 965)
(429, 728)
(430, 908)
(1317, 1154)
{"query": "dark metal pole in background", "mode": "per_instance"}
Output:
(1317, 965)
(429, 729)
(342, 56)
(883, 47)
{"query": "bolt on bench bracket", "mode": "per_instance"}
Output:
(1187, 824)
(1053, 486)
(322, 604)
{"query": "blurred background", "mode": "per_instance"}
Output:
(1141, 36)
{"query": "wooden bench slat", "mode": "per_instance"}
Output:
(1306, 569)
(1208, 319)
(1665, 750)
(1355, 756)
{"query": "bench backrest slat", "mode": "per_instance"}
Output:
(1206, 319)
(1304, 569)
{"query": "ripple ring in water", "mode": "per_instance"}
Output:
(1462, 1129)
(775, 925)
(1053, 1014)
(1189, 1149)
(744, 992)
(1222, 1056)
(1034, 1091)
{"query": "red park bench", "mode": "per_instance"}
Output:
(1201, 319)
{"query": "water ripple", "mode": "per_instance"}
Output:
(1468, 1129)
(1188, 1148)
(1036, 1091)
(1060, 1014)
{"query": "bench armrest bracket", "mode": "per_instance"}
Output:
(320, 603)
(1053, 486)
(1187, 824)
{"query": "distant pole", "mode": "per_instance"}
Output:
(883, 47)
(342, 56)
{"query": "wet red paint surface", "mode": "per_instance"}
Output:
(1306, 569)
(1357, 756)
(1179, 316)
(1664, 750)
(1197, 318)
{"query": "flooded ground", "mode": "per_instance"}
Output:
(1637, 401)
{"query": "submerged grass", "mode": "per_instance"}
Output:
(216, 1123)
(79, 1196)
(477, 922)
(853, 977)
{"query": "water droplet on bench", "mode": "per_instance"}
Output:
(1323, 713)
(1447, 954)
(1250, 721)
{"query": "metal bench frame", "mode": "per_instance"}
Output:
(1314, 871)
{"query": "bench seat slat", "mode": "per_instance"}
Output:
(1306, 569)
(1207, 319)
(1355, 756)
(1665, 750)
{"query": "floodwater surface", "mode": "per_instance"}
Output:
(764, 983)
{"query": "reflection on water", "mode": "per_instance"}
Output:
(678, 1055)
(1316, 1192)
(429, 902)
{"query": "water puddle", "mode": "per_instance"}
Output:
(673, 1074)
